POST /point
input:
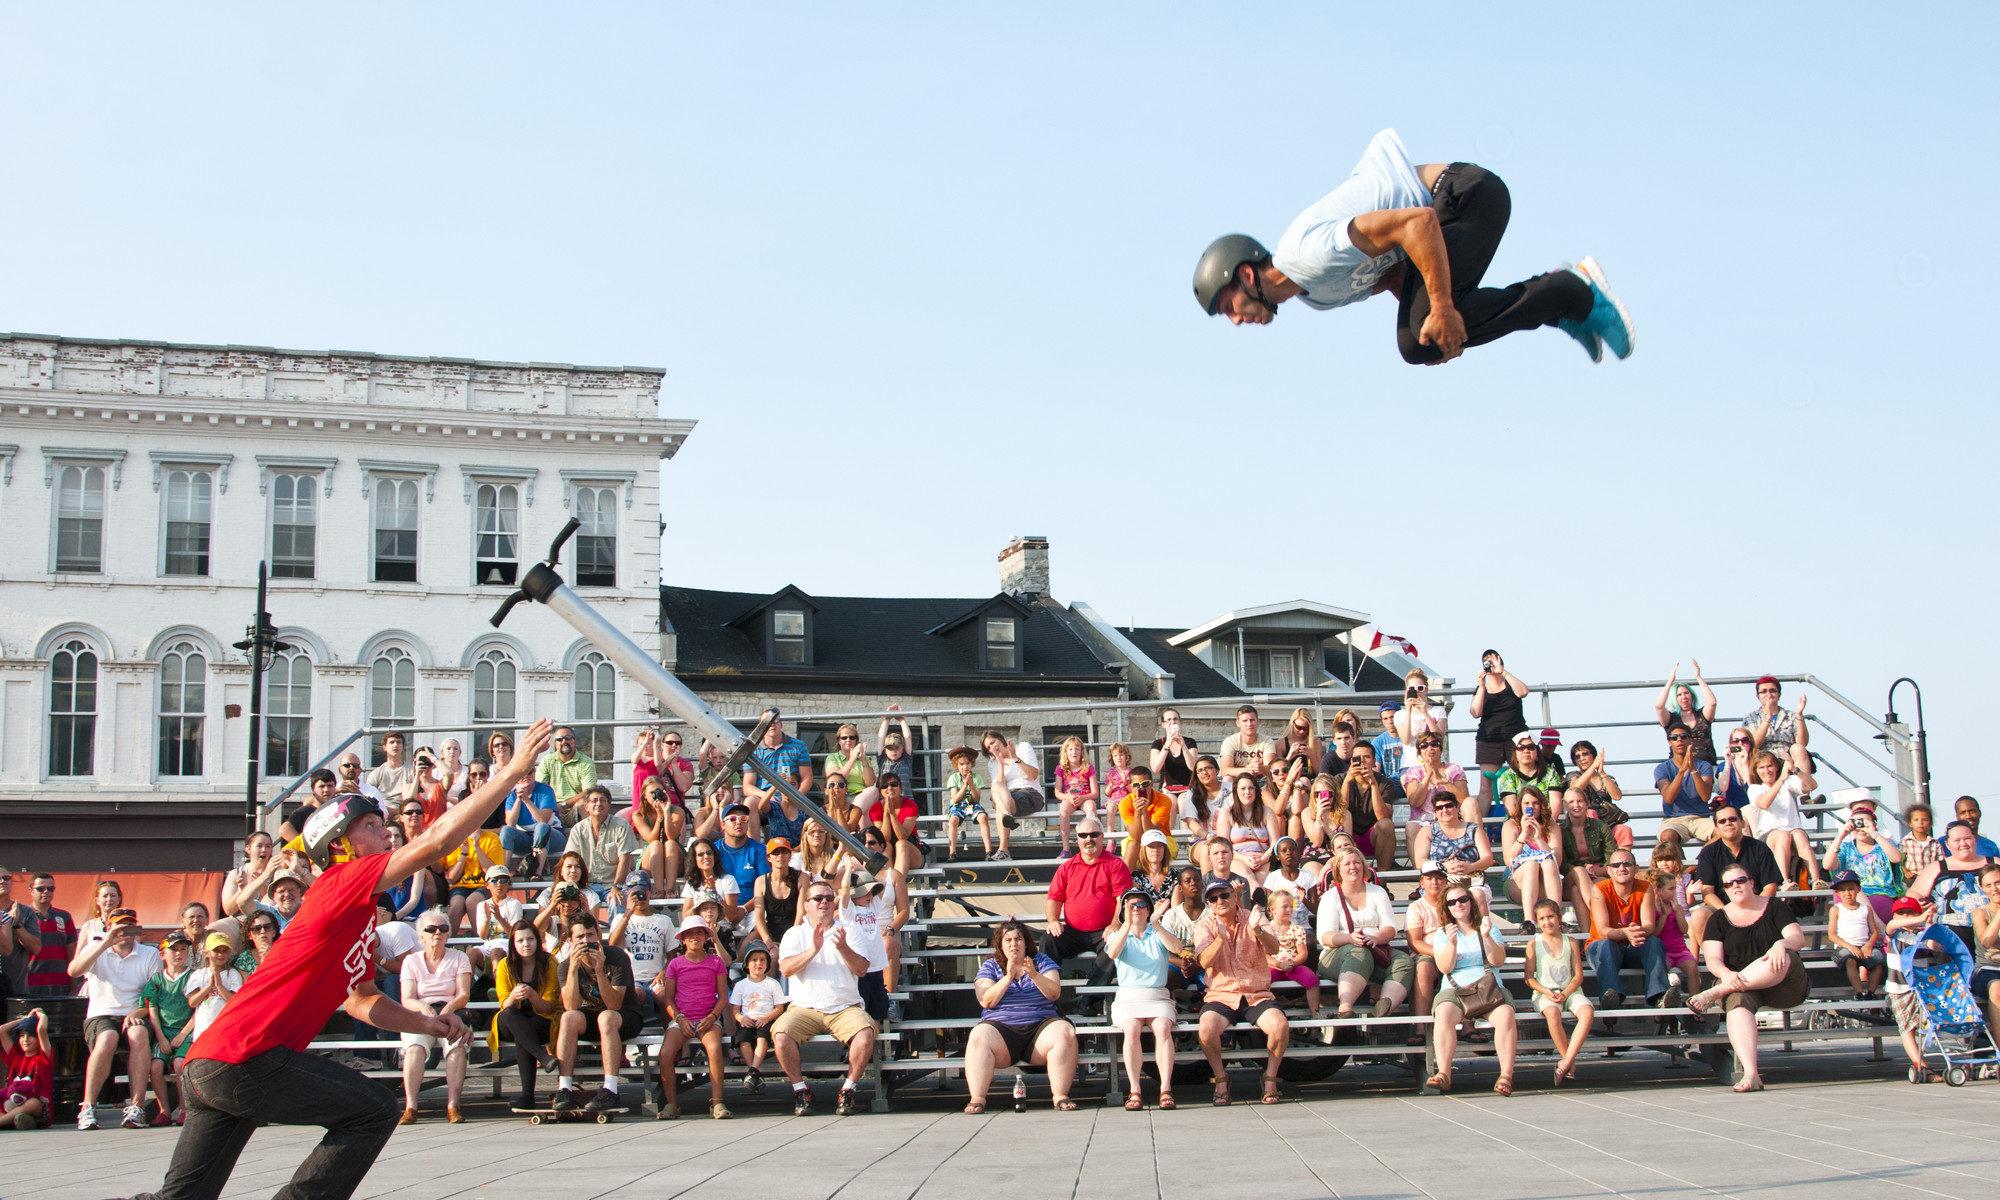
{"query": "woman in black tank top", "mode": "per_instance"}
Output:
(778, 896)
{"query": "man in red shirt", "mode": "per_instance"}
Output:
(1083, 898)
(251, 1066)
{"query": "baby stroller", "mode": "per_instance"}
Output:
(1939, 970)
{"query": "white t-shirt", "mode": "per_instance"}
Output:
(757, 999)
(1307, 880)
(726, 889)
(1318, 251)
(1373, 914)
(866, 923)
(1784, 811)
(647, 936)
(1013, 776)
(826, 985)
(439, 984)
(1850, 923)
(491, 921)
(114, 983)
(206, 1011)
(394, 939)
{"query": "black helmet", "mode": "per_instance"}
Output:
(1217, 267)
(329, 824)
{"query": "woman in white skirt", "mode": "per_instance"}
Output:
(1141, 947)
(1775, 815)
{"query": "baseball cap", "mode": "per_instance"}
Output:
(1388, 706)
(177, 938)
(639, 881)
(1432, 868)
(497, 871)
(1524, 738)
(1216, 887)
(1906, 904)
(1552, 737)
(218, 939)
(1843, 878)
(731, 810)
(1136, 893)
(1154, 837)
(289, 877)
(121, 917)
(778, 843)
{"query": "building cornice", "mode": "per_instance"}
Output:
(124, 413)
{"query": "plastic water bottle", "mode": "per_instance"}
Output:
(1020, 1092)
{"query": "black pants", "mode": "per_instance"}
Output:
(1473, 206)
(530, 1035)
(227, 1101)
(1076, 943)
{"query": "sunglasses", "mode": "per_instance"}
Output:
(431, 929)
(1729, 820)
(1091, 837)
(1736, 880)
(1457, 902)
(671, 742)
(1626, 866)
(819, 899)
(43, 887)
(847, 737)
(1222, 899)
(263, 929)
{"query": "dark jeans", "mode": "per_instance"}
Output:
(1076, 943)
(227, 1101)
(1473, 206)
(1608, 958)
(530, 1035)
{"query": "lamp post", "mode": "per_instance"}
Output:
(260, 645)
(1921, 758)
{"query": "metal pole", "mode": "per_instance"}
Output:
(544, 585)
(254, 757)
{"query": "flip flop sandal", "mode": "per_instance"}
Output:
(1270, 1090)
(1221, 1097)
(1441, 1081)
(1134, 1102)
(1065, 1105)
(975, 1108)
(1505, 1086)
(1167, 1101)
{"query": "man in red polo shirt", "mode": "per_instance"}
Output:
(251, 1066)
(1083, 898)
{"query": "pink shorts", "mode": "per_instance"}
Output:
(1301, 974)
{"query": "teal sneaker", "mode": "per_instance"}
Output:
(1607, 319)
(1585, 337)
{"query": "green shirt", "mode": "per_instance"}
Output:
(167, 995)
(566, 779)
(244, 962)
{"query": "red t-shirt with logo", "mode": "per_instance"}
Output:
(29, 1073)
(326, 951)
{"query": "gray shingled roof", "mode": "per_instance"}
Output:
(878, 643)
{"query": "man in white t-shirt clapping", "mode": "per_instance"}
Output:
(821, 969)
(1425, 234)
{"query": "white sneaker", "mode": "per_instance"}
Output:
(133, 1117)
(86, 1117)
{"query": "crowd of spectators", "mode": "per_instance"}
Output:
(717, 914)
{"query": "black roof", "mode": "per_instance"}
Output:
(1193, 678)
(1370, 675)
(893, 645)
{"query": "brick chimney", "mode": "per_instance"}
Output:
(1024, 567)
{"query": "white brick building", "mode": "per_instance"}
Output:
(395, 498)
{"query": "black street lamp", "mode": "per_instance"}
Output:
(260, 645)
(1922, 758)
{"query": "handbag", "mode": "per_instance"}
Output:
(1481, 996)
(1380, 953)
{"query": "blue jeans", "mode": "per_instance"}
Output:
(1607, 958)
(518, 840)
(227, 1101)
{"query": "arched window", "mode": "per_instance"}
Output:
(392, 694)
(183, 710)
(288, 714)
(493, 688)
(73, 709)
(594, 697)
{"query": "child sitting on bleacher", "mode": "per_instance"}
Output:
(1554, 973)
(1857, 936)
(1293, 959)
(962, 792)
(757, 1000)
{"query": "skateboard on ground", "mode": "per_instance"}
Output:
(553, 1116)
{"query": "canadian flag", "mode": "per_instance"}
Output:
(1392, 642)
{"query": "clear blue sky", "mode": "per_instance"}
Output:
(935, 260)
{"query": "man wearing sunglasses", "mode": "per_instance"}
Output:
(252, 1067)
(1733, 847)
(1083, 900)
(50, 932)
(1685, 784)
(1625, 932)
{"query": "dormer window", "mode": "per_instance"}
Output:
(1000, 646)
(789, 643)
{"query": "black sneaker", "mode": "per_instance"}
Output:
(756, 1082)
(844, 1106)
(1610, 1000)
(604, 1101)
(802, 1101)
(565, 1100)
(1008, 820)
(524, 1101)
(1671, 998)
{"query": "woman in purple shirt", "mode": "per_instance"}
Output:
(1018, 1019)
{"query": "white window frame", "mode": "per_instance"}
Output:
(165, 488)
(988, 643)
(397, 657)
(279, 715)
(600, 741)
(295, 479)
(416, 531)
(492, 661)
(75, 647)
(595, 505)
(195, 715)
(505, 541)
